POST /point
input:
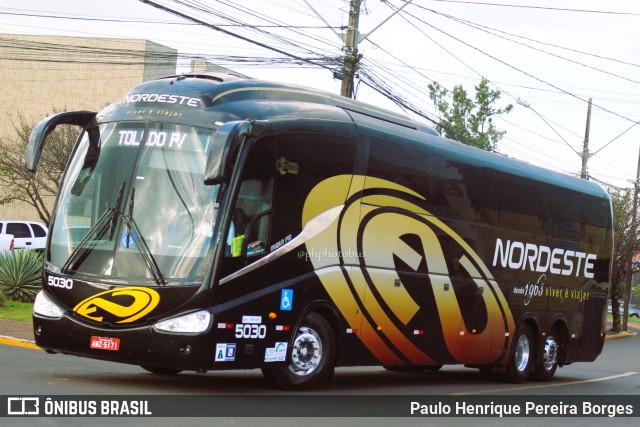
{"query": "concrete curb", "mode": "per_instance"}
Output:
(622, 334)
(18, 343)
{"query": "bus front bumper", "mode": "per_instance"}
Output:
(142, 345)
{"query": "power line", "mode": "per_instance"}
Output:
(238, 36)
(139, 21)
(464, 21)
(560, 9)
(486, 30)
(483, 52)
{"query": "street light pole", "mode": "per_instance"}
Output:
(585, 149)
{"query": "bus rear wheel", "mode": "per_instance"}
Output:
(311, 358)
(548, 360)
(521, 356)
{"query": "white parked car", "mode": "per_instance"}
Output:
(6, 242)
(26, 234)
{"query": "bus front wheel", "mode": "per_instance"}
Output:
(311, 357)
(521, 357)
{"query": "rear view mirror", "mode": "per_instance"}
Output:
(225, 141)
(46, 126)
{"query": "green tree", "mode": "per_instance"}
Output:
(626, 243)
(18, 184)
(468, 121)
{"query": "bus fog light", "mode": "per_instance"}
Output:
(44, 306)
(185, 350)
(191, 323)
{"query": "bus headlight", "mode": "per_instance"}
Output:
(190, 323)
(44, 306)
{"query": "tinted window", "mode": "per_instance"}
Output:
(304, 160)
(250, 222)
(38, 231)
(19, 230)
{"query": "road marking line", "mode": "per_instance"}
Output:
(593, 380)
(19, 343)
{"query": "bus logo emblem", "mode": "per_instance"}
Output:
(374, 285)
(284, 166)
(126, 304)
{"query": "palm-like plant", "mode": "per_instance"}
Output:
(20, 274)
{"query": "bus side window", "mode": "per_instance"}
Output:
(258, 234)
(249, 228)
(303, 161)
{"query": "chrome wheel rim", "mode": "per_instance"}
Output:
(306, 353)
(523, 353)
(550, 354)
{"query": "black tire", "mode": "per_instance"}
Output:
(547, 360)
(161, 371)
(521, 356)
(311, 357)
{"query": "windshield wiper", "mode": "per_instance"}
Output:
(116, 212)
(108, 216)
(142, 246)
(99, 226)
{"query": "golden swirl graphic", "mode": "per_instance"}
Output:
(363, 280)
(144, 300)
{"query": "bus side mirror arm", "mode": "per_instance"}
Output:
(225, 143)
(46, 126)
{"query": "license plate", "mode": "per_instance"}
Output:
(105, 343)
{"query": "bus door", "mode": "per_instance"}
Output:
(249, 234)
(282, 170)
(401, 324)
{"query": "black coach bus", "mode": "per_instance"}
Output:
(206, 222)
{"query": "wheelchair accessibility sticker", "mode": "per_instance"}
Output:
(225, 352)
(286, 299)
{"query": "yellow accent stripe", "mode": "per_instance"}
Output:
(19, 343)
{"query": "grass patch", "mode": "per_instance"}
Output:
(631, 319)
(16, 310)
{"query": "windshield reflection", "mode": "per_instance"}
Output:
(150, 177)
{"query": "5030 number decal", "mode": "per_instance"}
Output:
(251, 331)
(60, 282)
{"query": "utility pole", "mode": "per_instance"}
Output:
(585, 149)
(634, 227)
(351, 57)
(351, 40)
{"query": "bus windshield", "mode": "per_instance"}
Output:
(133, 204)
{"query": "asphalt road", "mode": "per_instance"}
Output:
(27, 371)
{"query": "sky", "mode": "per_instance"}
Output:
(546, 57)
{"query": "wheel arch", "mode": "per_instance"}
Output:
(534, 326)
(559, 323)
(329, 312)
